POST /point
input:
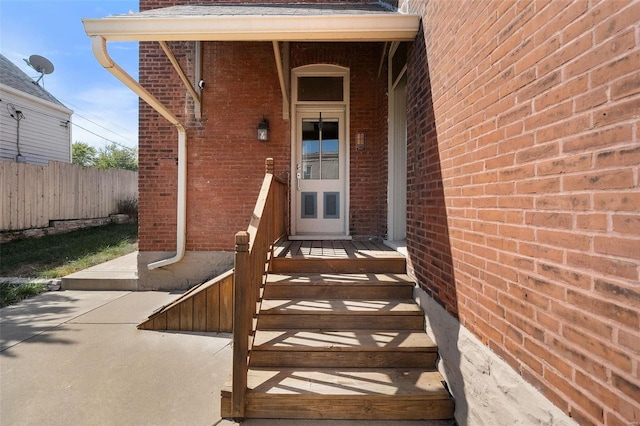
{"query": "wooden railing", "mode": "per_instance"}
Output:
(253, 248)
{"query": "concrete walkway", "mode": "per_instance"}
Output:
(117, 274)
(76, 358)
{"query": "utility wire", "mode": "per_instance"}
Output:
(89, 120)
(26, 108)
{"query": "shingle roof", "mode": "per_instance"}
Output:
(259, 22)
(12, 76)
(266, 9)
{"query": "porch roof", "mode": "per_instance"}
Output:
(259, 22)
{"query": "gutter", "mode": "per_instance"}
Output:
(99, 46)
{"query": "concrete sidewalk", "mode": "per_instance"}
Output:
(76, 358)
(117, 274)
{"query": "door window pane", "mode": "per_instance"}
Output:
(310, 160)
(320, 150)
(330, 150)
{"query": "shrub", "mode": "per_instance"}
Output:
(129, 206)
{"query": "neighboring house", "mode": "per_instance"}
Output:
(35, 126)
(497, 140)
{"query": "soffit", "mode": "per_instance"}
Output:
(259, 22)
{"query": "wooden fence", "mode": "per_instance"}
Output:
(33, 195)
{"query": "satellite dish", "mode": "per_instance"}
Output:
(41, 65)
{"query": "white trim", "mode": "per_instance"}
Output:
(392, 135)
(19, 93)
(320, 237)
(365, 27)
(317, 70)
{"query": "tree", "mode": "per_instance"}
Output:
(83, 154)
(112, 157)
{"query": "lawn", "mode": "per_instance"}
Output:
(54, 256)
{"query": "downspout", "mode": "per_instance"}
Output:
(99, 46)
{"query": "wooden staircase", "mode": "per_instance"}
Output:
(335, 341)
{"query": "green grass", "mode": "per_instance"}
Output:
(12, 293)
(54, 256)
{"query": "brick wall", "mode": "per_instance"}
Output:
(225, 161)
(523, 196)
(368, 108)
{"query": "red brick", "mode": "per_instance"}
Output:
(563, 202)
(569, 353)
(599, 307)
(615, 69)
(620, 179)
(544, 353)
(623, 294)
(538, 186)
(617, 201)
(598, 139)
(620, 157)
(576, 163)
(629, 340)
(621, 247)
(616, 112)
(617, 22)
(592, 221)
(628, 386)
(593, 17)
(626, 224)
(626, 86)
(549, 220)
(602, 53)
(605, 265)
(592, 407)
(593, 346)
(582, 319)
(564, 275)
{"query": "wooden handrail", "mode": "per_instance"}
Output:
(252, 251)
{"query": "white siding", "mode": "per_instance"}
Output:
(44, 136)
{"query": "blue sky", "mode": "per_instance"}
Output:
(53, 28)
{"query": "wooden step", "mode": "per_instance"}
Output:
(332, 314)
(314, 348)
(392, 265)
(384, 394)
(338, 286)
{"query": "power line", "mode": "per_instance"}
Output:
(26, 108)
(102, 137)
(93, 122)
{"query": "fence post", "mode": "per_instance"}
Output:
(268, 165)
(241, 322)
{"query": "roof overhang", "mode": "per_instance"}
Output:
(259, 22)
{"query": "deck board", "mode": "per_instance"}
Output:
(333, 249)
(347, 382)
(349, 340)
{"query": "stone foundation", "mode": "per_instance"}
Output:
(62, 226)
(194, 268)
(486, 389)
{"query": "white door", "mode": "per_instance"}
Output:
(320, 175)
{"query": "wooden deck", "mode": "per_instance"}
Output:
(333, 249)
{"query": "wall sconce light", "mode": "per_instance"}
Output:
(361, 138)
(263, 130)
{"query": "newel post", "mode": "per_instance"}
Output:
(241, 322)
(268, 165)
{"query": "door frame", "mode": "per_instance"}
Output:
(394, 135)
(319, 70)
